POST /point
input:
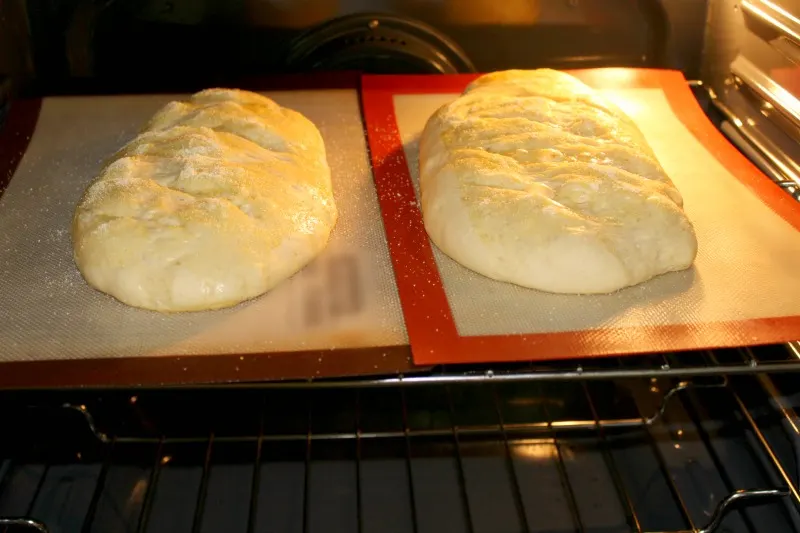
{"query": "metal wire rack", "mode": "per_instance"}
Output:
(642, 454)
(762, 360)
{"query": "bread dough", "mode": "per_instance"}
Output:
(533, 178)
(216, 201)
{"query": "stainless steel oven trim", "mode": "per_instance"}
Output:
(758, 147)
(764, 86)
(776, 17)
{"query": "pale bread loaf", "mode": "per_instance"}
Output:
(219, 199)
(534, 178)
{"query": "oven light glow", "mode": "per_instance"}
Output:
(538, 450)
(630, 107)
(138, 493)
(620, 77)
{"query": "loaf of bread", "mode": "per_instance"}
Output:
(218, 199)
(534, 178)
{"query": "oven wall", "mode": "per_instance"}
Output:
(687, 21)
(751, 62)
(16, 58)
(178, 38)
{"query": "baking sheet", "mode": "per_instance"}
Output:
(345, 299)
(743, 288)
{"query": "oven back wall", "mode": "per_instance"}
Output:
(217, 39)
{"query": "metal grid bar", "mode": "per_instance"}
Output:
(562, 474)
(32, 525)
(256, 483)
(359, 505)
(306, 472)
(149, 496)
(624, 496)
(409, 470)
(98, 489)
(762, 440)
(203, 492)
(462, 482)
(718, 463)
(673, 489)
(38, 490)
(662, 465)
(765, 445)
(512, 473)
(5, 477)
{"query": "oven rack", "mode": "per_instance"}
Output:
(612, 450)
(707, 363)
(778, 358)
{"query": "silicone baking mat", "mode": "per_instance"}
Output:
(744, 288)
(342, 304)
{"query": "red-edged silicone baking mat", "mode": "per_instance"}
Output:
(743, 289)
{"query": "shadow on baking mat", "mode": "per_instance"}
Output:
(740, 290)
(313, 326)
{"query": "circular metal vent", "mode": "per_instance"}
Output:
(377, 44)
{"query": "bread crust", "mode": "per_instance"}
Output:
(216, 201)
(533, 178)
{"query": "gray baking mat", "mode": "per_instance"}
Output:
(347, 298)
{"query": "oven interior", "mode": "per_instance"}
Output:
(454, 450)
(689, 442)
